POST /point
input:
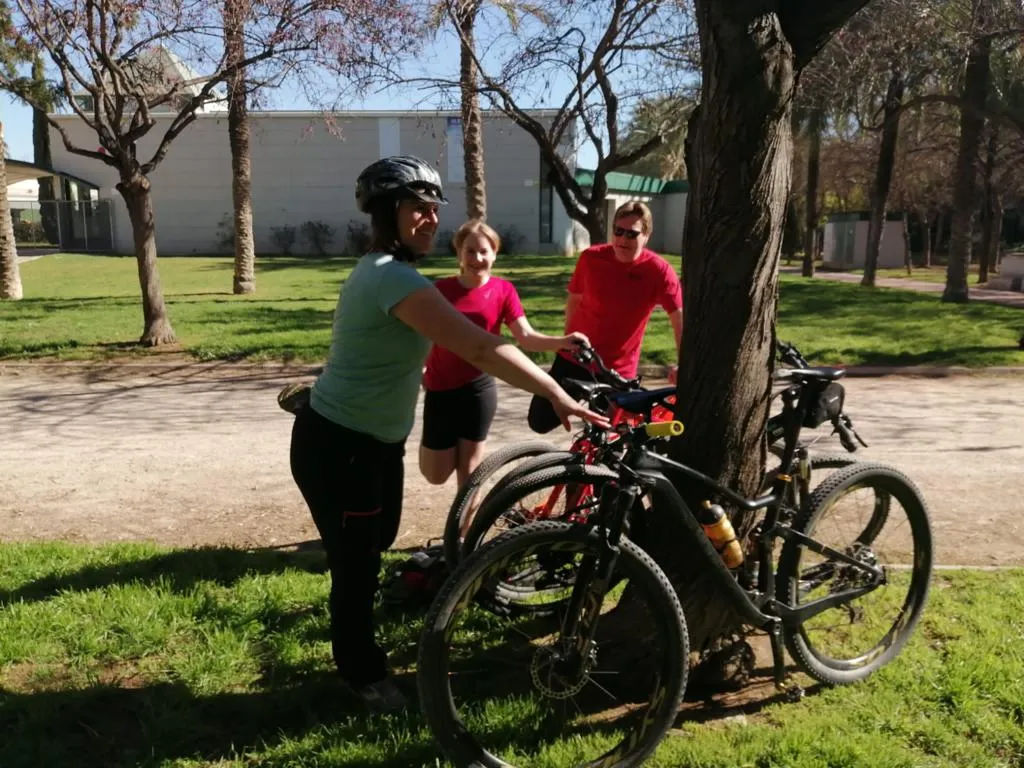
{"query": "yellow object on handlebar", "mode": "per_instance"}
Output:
(664, 429)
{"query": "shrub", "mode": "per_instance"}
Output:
(511, 239)
(226, 232)
(319, 235)
(29, 232)
(443, 241)
(284, 238)
(357, 238)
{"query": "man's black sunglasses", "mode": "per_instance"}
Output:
(632, 234)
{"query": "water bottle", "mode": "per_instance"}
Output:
(718, 528)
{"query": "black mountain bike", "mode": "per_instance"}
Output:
(597, 672)
(493, 509)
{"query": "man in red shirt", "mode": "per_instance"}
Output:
(612, 293)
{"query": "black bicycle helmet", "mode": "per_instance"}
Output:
(401, 176)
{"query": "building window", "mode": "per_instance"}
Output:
(546, 203)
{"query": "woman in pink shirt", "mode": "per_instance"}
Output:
(460, 399)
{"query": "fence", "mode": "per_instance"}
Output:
(71, 225)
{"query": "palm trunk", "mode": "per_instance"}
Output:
(883, 174)
(472, 124)
(815, 125)
(134, 188)
(966, 175)
(10, 275)
(238, 136)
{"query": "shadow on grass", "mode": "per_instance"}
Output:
(180, 569)
(113, 725)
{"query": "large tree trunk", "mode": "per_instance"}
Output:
(42, 156)
(966, 175)
(472, 124)
(883, 174)
(815, 125)
(738, 160)
(235, 12)
(991, 224)
(134, 188)
(10, 275)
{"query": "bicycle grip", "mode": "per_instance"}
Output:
(664, 429)
(845, 435)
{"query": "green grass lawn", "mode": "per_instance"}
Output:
(78, 306)
(130, 654)
(935, 274)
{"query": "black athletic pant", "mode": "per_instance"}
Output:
(352, 483)
(542, 417)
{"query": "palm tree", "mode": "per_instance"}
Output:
(463, 15)
(10, 277)
(235, 12)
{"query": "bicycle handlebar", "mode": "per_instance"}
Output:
(587, 355)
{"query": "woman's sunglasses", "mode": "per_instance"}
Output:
(632, 234)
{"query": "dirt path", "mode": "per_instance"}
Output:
(198, 454)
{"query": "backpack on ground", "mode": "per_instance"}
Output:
(414, 582)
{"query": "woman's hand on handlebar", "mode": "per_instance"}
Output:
(565, 407)
(575, 340)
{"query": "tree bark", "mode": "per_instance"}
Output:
(926, 236)
(135, 190)
(990, 224)
(738, 160)
(42, 156)
(883, 174)
(992, 256)
(472, 123)
(10, 275)
(238, 135)
(815, 124)
(907, 255)
(975, 91)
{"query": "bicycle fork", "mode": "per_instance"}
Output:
(594, 578)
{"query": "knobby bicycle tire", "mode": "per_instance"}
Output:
(505, 504)
(465, 496)
(614, 712)
(884, 524)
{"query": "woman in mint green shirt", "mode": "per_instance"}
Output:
(348, 446)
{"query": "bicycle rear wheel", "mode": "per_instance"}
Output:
(875, 515)
(479, 483)
(501, 688)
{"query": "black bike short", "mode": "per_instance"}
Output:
(463, 413)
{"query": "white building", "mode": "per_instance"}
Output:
(845, 242)
(304, 171)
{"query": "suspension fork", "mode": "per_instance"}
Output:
(595, 574)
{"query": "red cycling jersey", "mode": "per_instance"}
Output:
(489, 305)
(617, 300)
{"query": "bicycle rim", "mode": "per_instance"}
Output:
(875, 516)
(499, 687)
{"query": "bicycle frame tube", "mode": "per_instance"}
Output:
(666, 497)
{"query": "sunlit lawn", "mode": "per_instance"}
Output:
(133, 655)
(79, 306)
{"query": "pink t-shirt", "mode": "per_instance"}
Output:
(617, 302)
(489, 305)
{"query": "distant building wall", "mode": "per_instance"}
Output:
(302, 171)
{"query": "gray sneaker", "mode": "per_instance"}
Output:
(383, 696)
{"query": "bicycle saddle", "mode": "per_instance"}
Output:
(820, 373)
(642, 400)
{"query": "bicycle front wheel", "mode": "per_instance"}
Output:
(874, 516)
(502, 688)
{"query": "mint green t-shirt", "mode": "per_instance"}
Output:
(375, 364)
